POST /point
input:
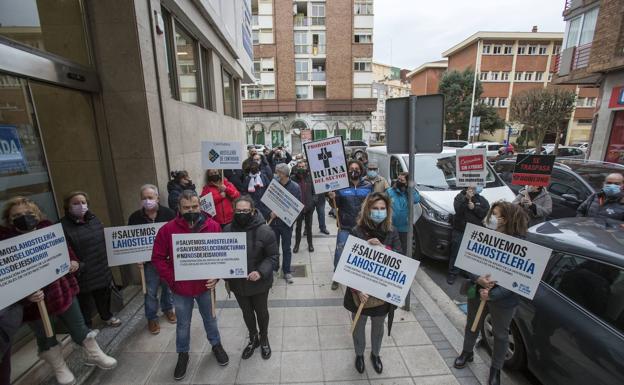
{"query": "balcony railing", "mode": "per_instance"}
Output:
(318, 20)
(318, 49)
(557, 61)
(580, 58)
(303, 48)
(318, 76)
(567, 5)
(302, 21)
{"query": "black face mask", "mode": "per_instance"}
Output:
(214, 178)
(242, 219)
(191, 217)
(254, 169)
(354, 174)
(400, 185)
(26, 222)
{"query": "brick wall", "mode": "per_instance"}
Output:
(463, 59)
(285, 51)
(418, 83)
(433, 79)
(339, 24)
(608, 45)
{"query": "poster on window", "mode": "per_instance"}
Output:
(470, 167)
(328, 166)
(12, 159)
(222, 155)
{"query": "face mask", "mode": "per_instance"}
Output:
(301, 171)
(400, 185)
(254, 170)
(378, 216)
(354, 174)
(492, 224)
(191, 217)
(149, 204)
(26, 222)
(242, 219)
(478, 189)
(214, 178)
(372, 174)
(611, 190)
(532, 189)
(78, 210)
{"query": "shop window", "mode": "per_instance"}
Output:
(356, 135)
(319, 134)
(186, 65)
(277, 138)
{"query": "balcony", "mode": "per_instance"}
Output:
(318, 76)
(580, 57)
(302, 21)
(318, 20)
(318, 49)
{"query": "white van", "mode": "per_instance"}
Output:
(435, 181)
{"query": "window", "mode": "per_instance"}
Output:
(539, 76)
(362, 65)
(483, 76)
(550, 76)
(301, 92)
(487, 48)
(574, 30)
(302, 69)
(207, 79)
(504, 76)
(229, 95)
(590, 102)
(363, 36)
(318, 14)
(186, 65)
(491, 101)
(257, 67)
(589, 26)
(482, 100)
(502, 102)
(556, 49)
(585, 121)
(521, 50)
(532, 50)
(301, 42)
(363, 7)
(528, 76)
(494, 76)
(580, 102)
(170, 54)
(253, 92)
(277, 138)
(518, 75)
(542, 50)
(266, 36)
(508, 50)
(255, 37)
(497, 50)
(268, 92)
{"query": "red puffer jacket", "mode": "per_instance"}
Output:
(223, 205)
(60, 294)
(162, 254)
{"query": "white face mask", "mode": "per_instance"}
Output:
(492, 224)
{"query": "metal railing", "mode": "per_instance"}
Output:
(301, 21)
(567, 5)
(580, 57)
(318, 49)
(318, 76)
(303, 48)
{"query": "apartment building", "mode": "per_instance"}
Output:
(388, 82)
(425, 80)
(593, 53)
(313, 71)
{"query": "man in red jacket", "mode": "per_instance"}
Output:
(190, 219)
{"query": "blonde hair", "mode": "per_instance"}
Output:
(20, 201)
(363, 219)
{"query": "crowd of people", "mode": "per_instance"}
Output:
(371, 209)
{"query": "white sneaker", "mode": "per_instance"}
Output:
(289, 278)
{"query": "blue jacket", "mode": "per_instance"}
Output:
(349, 201)
(400, 208)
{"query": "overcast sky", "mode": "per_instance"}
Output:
(420, 30)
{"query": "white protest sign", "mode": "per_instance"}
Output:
(328, 164)
(222, 155)
(515, 264)
(130, 244)
(282, 203)
(30, 262)
(471, 167)
(209, 256)
(376, 271)
(207, 204)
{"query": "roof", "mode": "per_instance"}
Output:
(433, 64)
(486, 35)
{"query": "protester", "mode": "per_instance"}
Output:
(256, 184)
(180, 181)
(236, 177)
(85, 235)
(278, 156)
(400, 207)
(374, 226)
(190, 219)
(21, 216)
(258, 157)
(223, 193)
(470, 207)
(606, 203)
(380, 184)
(262, 259)
(319, 206)
(301, 176)
(348, 202)
(510, 219)
(294, 161)
(537, 203)
(10, 321)
(364, 160)
(152, 212)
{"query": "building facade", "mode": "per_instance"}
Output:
(388, 82)
(313, 72)
(425, 80)
(593, 54)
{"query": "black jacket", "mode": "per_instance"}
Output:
(87, 241)
(265, 168)
(262, 256)
(236, 177)
(349, 201)
(138, 217)
(464, 215)
(599, 205)
(175, 190)
(10, 321)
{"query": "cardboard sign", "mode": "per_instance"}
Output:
(470, 167)
(222, 155)
(207, 204)
(130, 244)
(30, 262)
(209, 256)
(376, 271)
(515, 264)
(328, 164)
(533, 170)
(279, 200)
(12, 158)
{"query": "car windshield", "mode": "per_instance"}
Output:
(437, 172)
(594, 174)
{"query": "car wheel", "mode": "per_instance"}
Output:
(515, 357)
(416, 250)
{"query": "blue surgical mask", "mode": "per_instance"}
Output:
(478, 189)
(378, 216)
(372, 174)
(611, 190)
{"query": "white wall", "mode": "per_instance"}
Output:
(362, 78)
(363, 21)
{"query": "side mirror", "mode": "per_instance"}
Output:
(571, 198)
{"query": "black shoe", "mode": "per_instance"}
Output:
(220, 355)
(305, 232)
(335, 285)
(296, 248)
(265, 350)
(325, 231)
(310, 248)
(180, 369)
(359, 364)
(251, 346)
(377, 365)
(463, 359)
(494, 378)
(450, 279)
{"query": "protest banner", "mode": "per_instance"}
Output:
(222, 155)
(286, 206)
(30, 262)
(470, 167)
(533, 170)
(207, 204)
(328, 165)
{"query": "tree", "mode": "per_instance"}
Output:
(542, 111)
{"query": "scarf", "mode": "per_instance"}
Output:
(255, 180)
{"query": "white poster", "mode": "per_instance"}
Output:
(30, 262)
(328, 164)
(222, 155)
(513, 263)
(130, 244)
(207, 204)
(376, 271)
(471, 167)
(209, 256)
(282, 203)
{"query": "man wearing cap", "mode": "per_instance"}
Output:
(380, 184)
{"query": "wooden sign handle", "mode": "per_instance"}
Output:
(213, 301)
(357, 316)
(475, 323)
(270, 220)
(45, 319)
(142, 271)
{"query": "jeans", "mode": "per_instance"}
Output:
(341, 239)
(184, 312)
(285, 234)
(456, 239)
(255, 309)
(102, 299)
(359, 334)
(307, 217)
(72, 319)
(152, 282)
(320, 212)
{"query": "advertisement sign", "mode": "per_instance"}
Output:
(12, 158)
(130, 244)
(470, 167)
(282, 203)
(328, 164)
(533, 170)
(209, 256)
(222, 155)
(207, 204)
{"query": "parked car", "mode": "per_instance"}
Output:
(583, 146)
(355, 148)
(572, 332)
(562, 152)
(435, 181)
(572, 181)
(455, 143)
(492, 148)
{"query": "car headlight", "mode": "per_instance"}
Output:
(433, 215)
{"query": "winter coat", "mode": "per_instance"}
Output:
(265, 168)
(464, 215)
(349, 201)
(236, 178)
(162, 254)
(175, 190)
(274, 160)
(599, 205)
(10, 322)
(223, 205)
(164, 214)
(258, 193)
(540, 209)
(87, 240)
(305, 186)
(262, 256)
(400, 207)
(294, 190)
(380, 184)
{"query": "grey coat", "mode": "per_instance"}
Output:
(540, 209)
(599, 205)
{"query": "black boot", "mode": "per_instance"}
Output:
(180, 369)
(265, 348)
(296, 247)
(494, 377)
(310, 248)
(359, 364)
(377, 365)
(251, 346)
(463, 359)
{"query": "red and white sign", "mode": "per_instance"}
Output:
(617, 97)
(471, 167)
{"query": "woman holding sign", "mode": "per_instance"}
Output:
(509, 219)
(223, 193)
(20, 216)
(374, 224)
